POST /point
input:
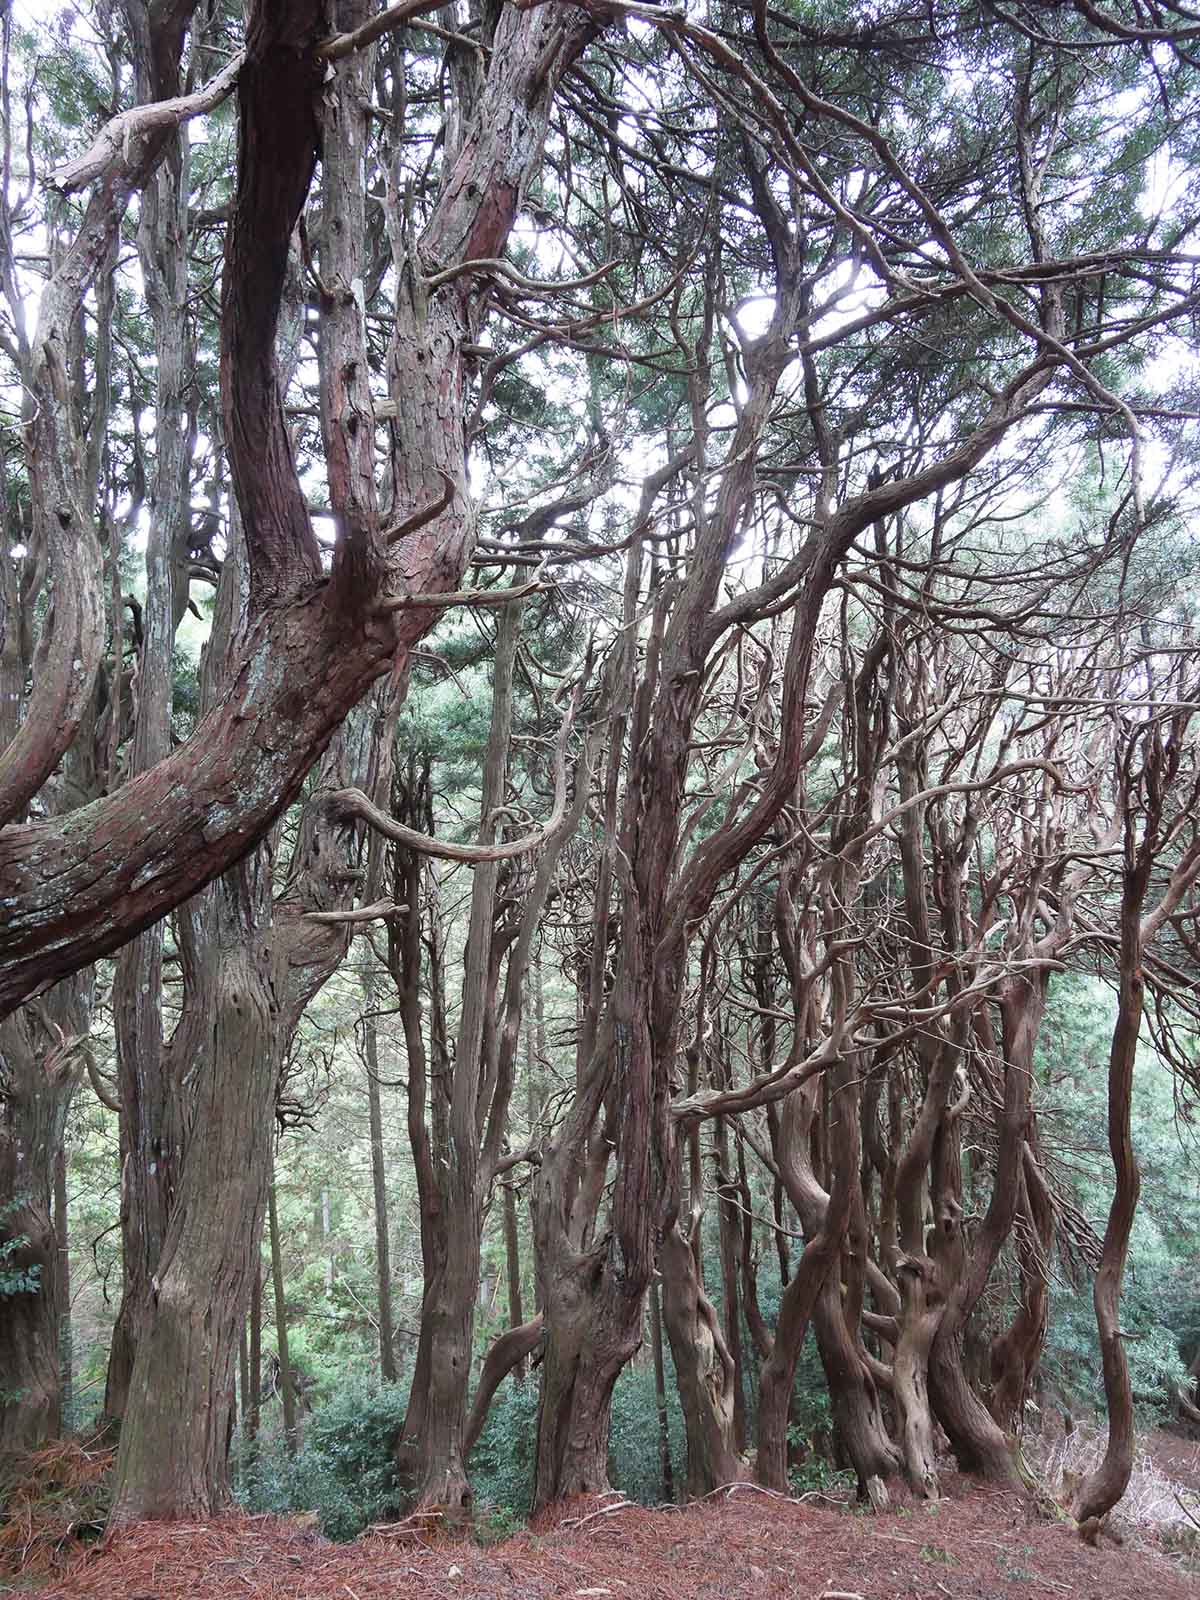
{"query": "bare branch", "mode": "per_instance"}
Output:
(116, 148)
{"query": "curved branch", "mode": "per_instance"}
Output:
(507, 1351)
(116, 148)
(353, 803)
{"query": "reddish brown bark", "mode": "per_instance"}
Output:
(704, 1369)
(39, 1068)
(1015, 1355)
(1149, 764)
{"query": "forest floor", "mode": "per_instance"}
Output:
(977, 1543)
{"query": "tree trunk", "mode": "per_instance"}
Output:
(512, 1262)
(922, 1304)
(660, 1398)
(447, 1321)
(446, 1153)
(244, 1379)
(255, 1397)
(38, 1075)
(29, 1328)
(1015, 1355)
(153, 1123)
(287, 1388)
(778, 1375)
(1101, 1489)
(508, 1353)
(383, 1265)
(979, 1444)
(704, 1371)
(729, 1224)
(66, 1345)
(590, 1338)
(853, 1397)
(174, 1442)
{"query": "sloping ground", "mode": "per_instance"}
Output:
(979, 1544)
(1176, 1452)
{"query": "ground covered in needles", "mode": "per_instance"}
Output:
(976, 1544)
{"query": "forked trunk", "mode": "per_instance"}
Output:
(778, 1377)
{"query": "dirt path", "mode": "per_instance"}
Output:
(978, 1544)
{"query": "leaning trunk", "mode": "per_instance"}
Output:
(853, 1396)
(778, 1376)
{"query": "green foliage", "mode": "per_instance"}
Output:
(634, 1462)
(502, 1464)
(15, 1280)
(1072, 1357)
(502, 1461)
(815, 1475)
(345, 1470)
(1158, 1302)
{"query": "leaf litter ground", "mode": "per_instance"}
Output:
(977, 1544)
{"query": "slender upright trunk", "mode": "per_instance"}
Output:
(287, 1388)
(1015, 1355)
(1142, 798)
(512, 1262)
(730, 1238)
(450, 1178)
(153, 1119)
(66, 1348)
(255, 1397)
(660, 1397)
(383, 1264)
(244, 1380)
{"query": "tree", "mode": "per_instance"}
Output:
(772, 397)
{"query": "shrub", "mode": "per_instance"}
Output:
(15, 1280)
(501, 1467)
(345, 1470)
(634, 1461)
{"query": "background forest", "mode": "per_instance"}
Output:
(599, 688)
